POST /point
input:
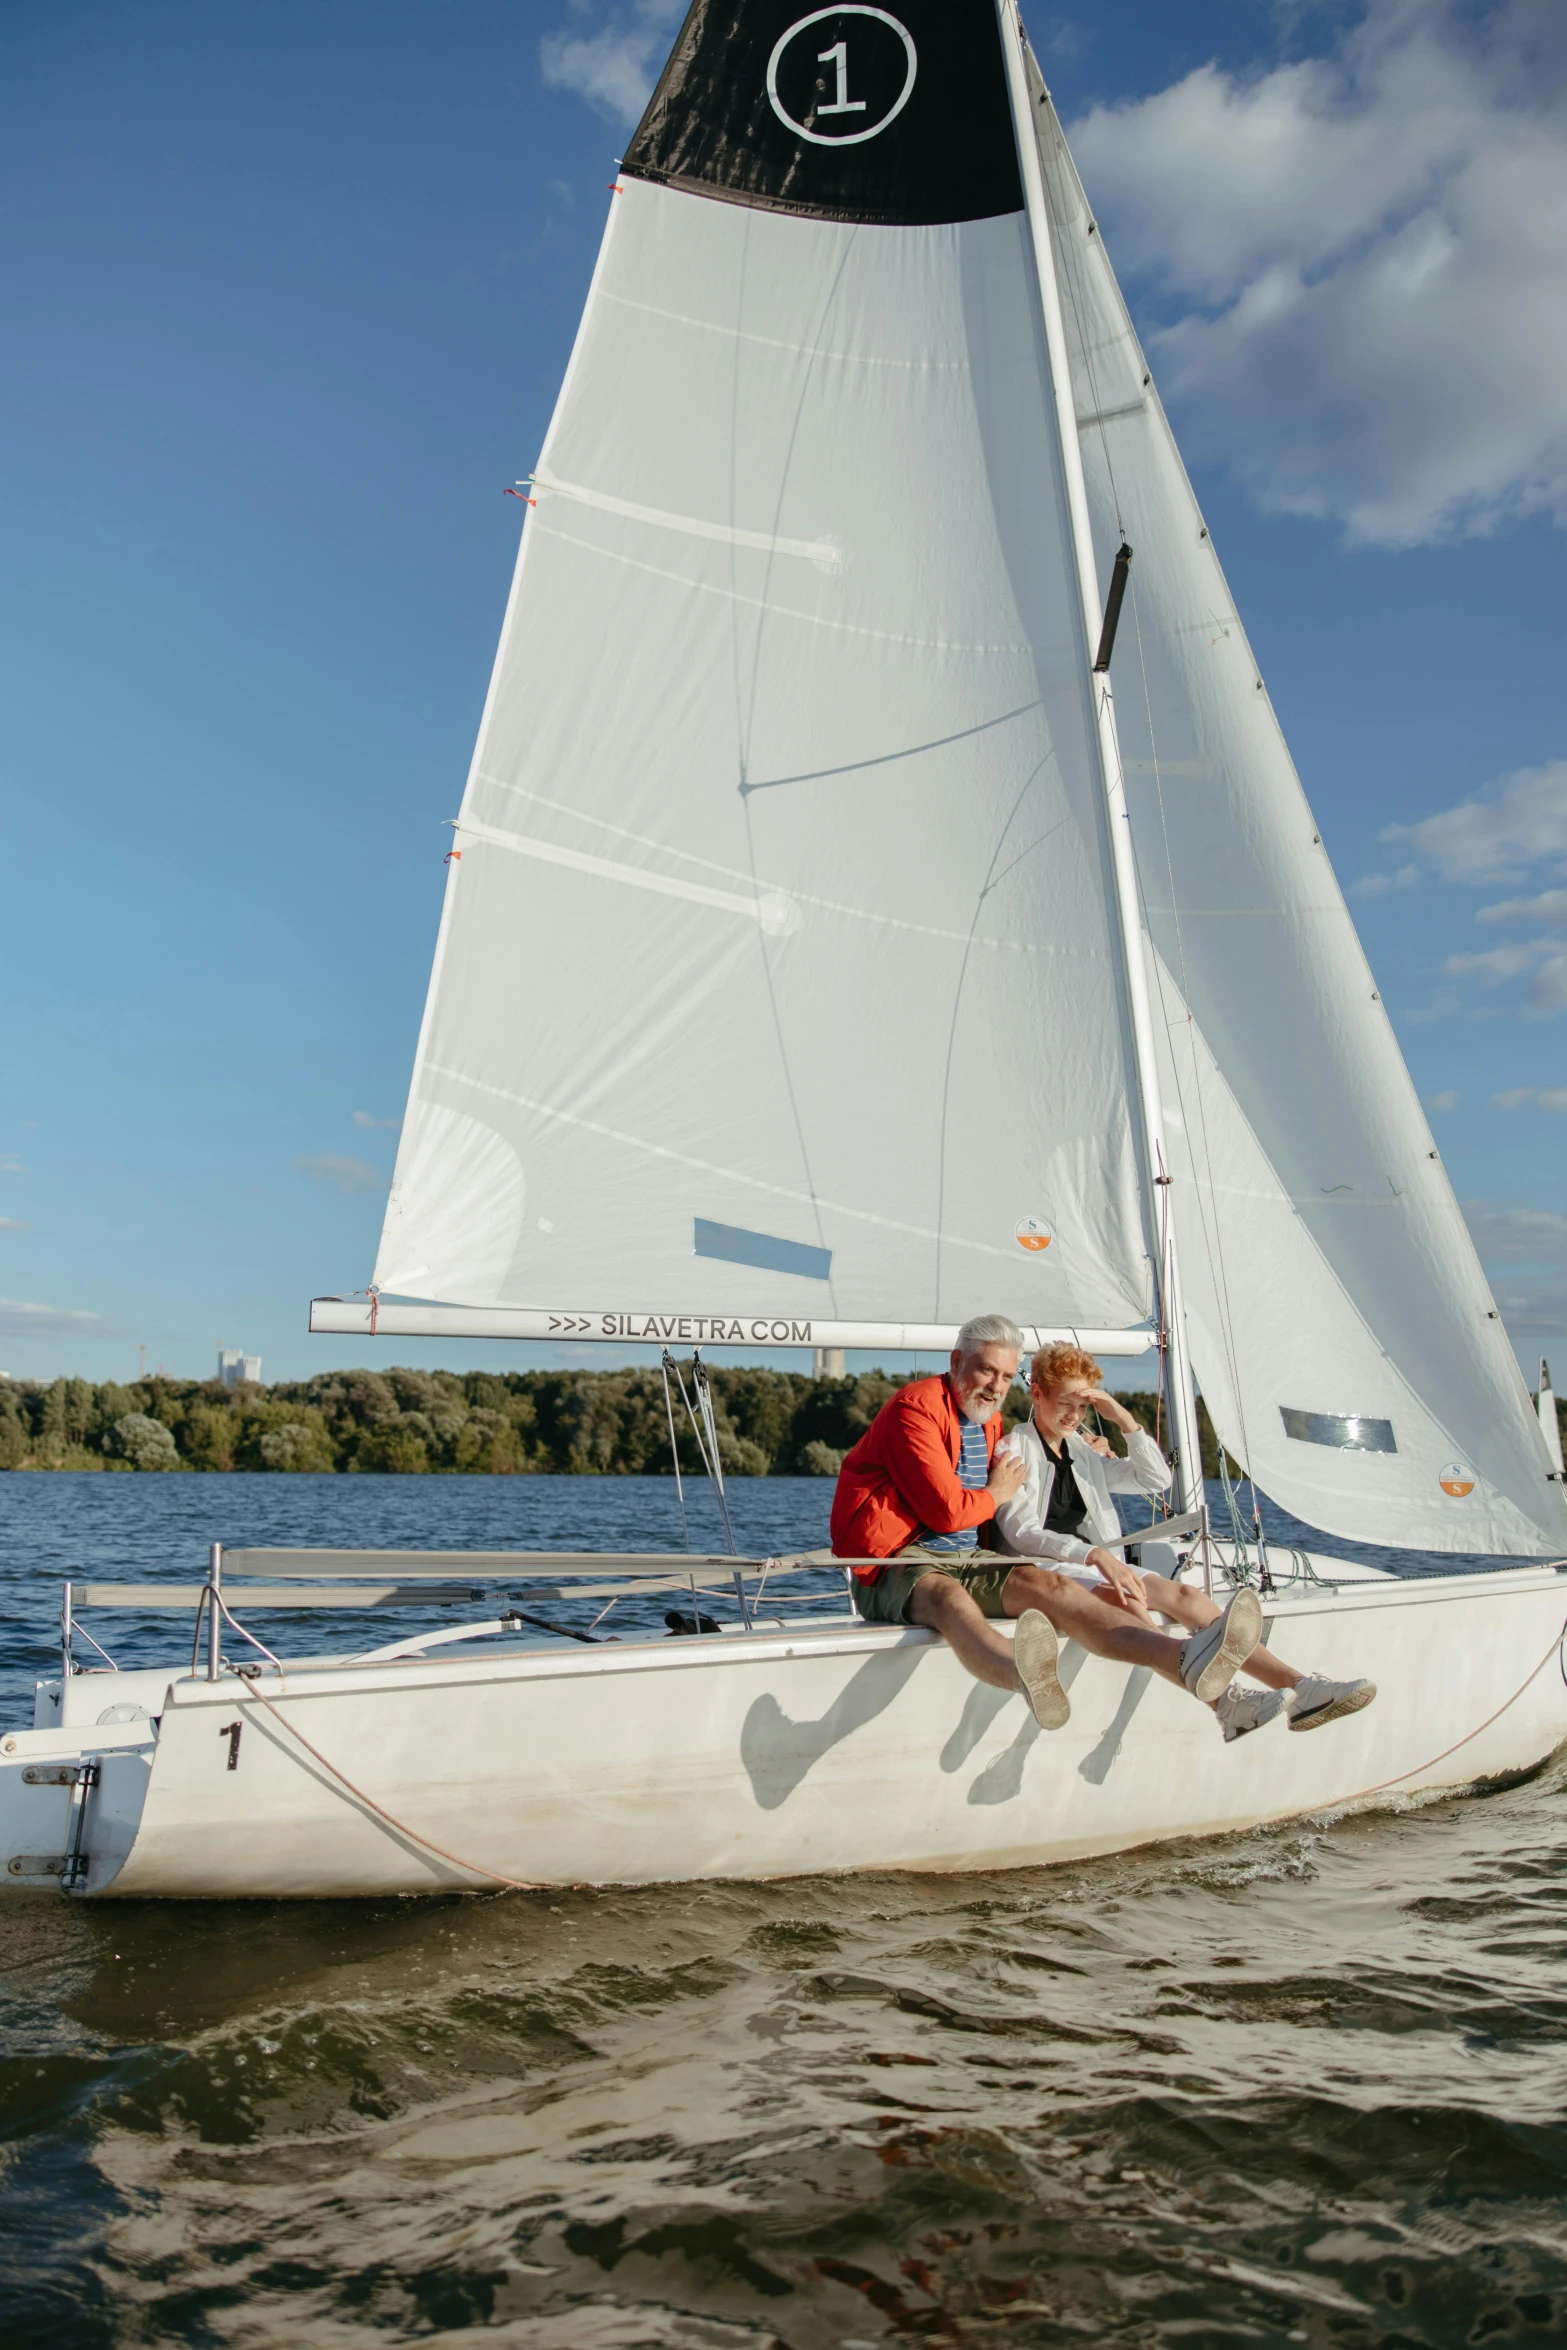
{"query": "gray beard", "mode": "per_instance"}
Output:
(979, 1413)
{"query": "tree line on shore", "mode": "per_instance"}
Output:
(514, 1423)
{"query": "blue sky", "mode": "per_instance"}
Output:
(289, 289)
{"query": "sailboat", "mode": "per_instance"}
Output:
(882, 893)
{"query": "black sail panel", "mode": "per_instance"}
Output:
(893, 116)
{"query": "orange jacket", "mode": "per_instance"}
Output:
(901, 1479)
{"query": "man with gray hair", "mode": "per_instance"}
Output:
(929, 1472)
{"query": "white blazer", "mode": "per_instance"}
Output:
(1020, 1522)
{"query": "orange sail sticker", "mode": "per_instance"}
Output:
(1034, 1233)
(1456, 1480)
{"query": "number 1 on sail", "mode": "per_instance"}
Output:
(838, 57)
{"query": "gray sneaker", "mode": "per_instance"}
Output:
(1035, 1649)
(1210, 1659)
(1319, 1700)
(1241, 1711)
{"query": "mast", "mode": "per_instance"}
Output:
(1159, 1190)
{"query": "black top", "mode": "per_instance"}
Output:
(1066, 1511)
(894, 116)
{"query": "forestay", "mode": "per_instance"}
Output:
(1341, 1329)
(777, 973)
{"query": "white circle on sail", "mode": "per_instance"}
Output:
(841, 103)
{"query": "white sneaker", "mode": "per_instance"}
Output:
(1241, 1711)
(1211, 1659)
(1035, 1650)
(1320, 1700)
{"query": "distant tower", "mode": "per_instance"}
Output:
(827, 1362)
(234, 1367)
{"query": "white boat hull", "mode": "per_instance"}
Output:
(848, 1747)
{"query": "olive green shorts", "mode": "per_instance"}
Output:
(981, 1573)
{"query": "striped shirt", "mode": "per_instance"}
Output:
(973, 1473)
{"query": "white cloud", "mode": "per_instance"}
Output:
(344, 1174)
(1517, 1236)
(1549, 906)
(363, 1118)
(1440, 1101)
(1536, 1309)
(614, 69)
(14, 1224)
(1366, 247)
(1517, 822)
(1496, 964)
(12, 1167)
(1517, 1097)
(1530, 1245)
(22, 1318)
(1377, 885)
(1440, 1006)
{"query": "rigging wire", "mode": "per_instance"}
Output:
(666, 1366)
(707, 1447)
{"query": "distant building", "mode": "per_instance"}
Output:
(234, 1367)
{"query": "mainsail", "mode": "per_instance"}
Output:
(1341, 1329)
(778, 974)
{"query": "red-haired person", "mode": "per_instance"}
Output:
(1063, 1512)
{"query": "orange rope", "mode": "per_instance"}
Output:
(1383, 1784)
(475, 1868)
